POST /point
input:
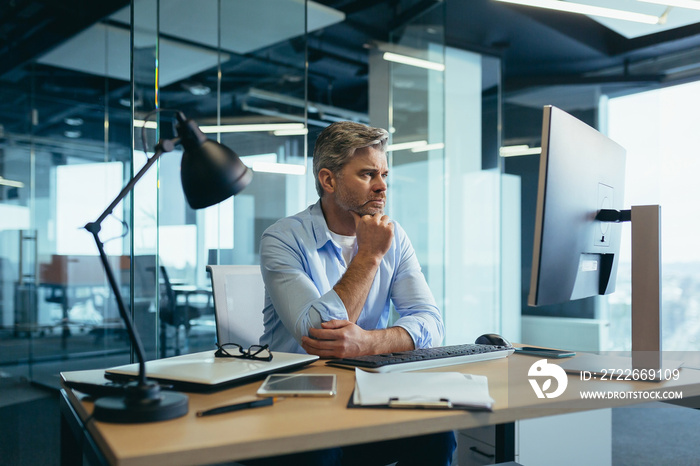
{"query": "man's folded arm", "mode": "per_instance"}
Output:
(294, 295)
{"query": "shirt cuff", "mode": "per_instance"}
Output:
(419, 331)
(327, 307)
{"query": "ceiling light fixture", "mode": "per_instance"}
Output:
(250, 128)
(267, 163)
(291, 132)
(146, 124)
(11, 183)
(74, 121)
(690, 4)
(235, 128)
(518, 150)
(405, 145)
(281, 168)
(406, 60)
(427, 147)
(571, 7)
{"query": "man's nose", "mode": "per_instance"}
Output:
(380, 185)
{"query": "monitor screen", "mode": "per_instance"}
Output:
(581, 172)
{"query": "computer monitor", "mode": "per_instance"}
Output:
(581, 172)
(577, 230)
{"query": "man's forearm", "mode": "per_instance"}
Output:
(353, 287)
(391, 339)
(343, 339)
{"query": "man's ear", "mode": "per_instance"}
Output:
(328, 180)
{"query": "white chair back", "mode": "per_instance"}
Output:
(239, 297)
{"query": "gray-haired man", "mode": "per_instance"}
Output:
(332, 270)
(330, 274)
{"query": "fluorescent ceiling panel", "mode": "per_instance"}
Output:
(677, 17)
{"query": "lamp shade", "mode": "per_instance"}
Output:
(210, 172)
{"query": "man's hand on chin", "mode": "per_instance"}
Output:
(337, 339)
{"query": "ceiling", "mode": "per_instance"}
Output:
(537, 47)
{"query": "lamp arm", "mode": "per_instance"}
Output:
(162, 147)
(95, 227)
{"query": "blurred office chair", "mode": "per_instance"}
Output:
(178, 310)
(239, 297)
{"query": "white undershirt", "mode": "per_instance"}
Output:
(347, 245)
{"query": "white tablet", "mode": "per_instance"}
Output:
(298, 385)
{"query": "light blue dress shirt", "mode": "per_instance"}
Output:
(301, 263)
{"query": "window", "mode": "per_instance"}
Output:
(659, 129)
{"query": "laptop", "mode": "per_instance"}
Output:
(202, 372)
(198, 372)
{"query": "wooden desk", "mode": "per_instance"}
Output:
(300, 424)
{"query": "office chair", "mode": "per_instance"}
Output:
(239, 298)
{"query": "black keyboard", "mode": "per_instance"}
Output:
(424, 358)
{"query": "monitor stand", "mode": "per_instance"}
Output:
(646, 287)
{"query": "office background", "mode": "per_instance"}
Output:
(77, 80)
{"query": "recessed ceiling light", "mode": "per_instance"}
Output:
(197, 88)
(412, 61)
(11, 183)
(75, 121)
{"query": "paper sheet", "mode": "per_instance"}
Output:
(460, 389)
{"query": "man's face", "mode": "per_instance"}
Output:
(362, 184)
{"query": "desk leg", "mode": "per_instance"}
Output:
(76, 443)
(505, 442)
(71, 451)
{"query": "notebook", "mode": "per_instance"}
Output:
(199, 372)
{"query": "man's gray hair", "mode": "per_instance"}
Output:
(338, 142)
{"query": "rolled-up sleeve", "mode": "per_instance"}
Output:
(297, 300)
(413, 300)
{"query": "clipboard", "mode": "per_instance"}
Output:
(442, 404)
(421, 390)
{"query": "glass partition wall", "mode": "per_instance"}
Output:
(71, 138)
(249, 73)
(446, 186)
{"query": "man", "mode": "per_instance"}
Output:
(331, 270)
(330, 273)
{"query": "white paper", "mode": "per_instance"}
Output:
(460, 389)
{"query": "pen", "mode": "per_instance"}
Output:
(237, 407)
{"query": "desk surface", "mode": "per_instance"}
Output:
(299, 424)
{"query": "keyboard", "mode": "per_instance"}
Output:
(424, 358)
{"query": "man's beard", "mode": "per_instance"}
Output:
(359, 206)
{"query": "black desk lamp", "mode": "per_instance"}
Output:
(210, 173)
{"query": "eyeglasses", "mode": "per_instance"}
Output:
(234, 350)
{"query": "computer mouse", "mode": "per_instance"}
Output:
(492, 339)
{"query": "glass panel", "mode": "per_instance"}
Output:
(417, 128)
(65, 156)
(658, 130)
(235, 68)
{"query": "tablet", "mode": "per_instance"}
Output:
(298, 385)
(544, 352)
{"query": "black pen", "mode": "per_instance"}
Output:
(237, 407)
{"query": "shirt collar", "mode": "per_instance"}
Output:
(321, 232)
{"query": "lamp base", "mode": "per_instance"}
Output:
(156, 406)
